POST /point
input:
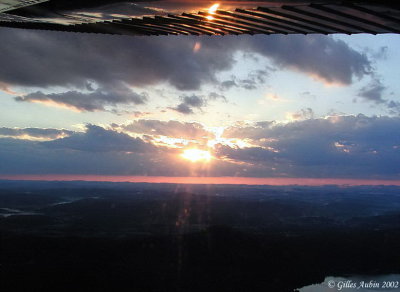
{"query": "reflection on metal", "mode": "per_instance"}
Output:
(6, 5)
(170, 17)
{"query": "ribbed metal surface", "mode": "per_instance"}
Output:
(346, 17)
(7, 5)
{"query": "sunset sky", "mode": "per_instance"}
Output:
(279, 106)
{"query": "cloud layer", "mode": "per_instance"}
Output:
(98, 139)
(34, 133)
(189, 103)
(375, 92)
(338, 146)
(173, 129)
(335, 147)
(97, 100)
(43, 59)
(325, 58)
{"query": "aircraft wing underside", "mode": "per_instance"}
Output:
(187, 17)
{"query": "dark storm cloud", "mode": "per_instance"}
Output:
(98, 139)
(43, 59)
(172, 129)
(38, 133)
(96, 100)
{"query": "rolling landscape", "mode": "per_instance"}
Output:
(168, 237)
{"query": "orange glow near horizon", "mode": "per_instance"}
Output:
(195, 155)
(206, 180)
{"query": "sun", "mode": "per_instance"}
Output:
(195, 155)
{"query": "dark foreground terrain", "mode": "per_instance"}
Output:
(142, 237)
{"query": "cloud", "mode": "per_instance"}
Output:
(248, 84)
(174, 129)
(249, 154)
(44, 59)
(98, 71)
(96, 100)
(228, 84)
(394, 107)
(373, 91)
(5, 88)
(307, 94)
(188, 103)
(28, 157)
(216, 96)
(335, 147)
(85, 154)
(133, 114)
(325, 58)
(98, 139)
(378, 54)
(340, 146)
(34, 133)
(183, 109)
(242, 130)
(251, 82)
(303, 114)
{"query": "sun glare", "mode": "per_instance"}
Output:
(195, 155)
(213, 8)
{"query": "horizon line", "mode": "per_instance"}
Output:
(223, 180)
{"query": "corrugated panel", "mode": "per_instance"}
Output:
(348, 18)
(6, 5)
